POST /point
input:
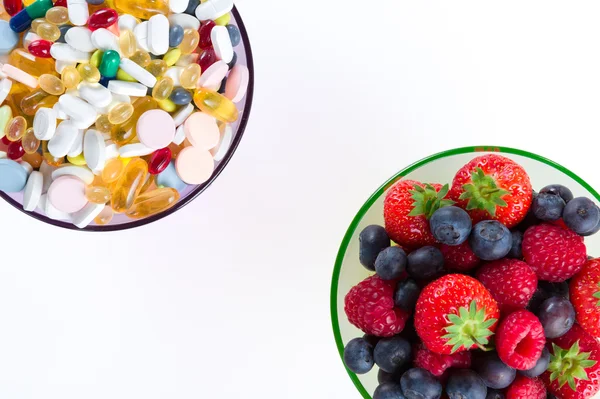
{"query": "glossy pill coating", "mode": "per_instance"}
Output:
(40, 48)
(35, 100)
(70, 77)
(153, 202)
(141, 57)
(57, 15)
(172, 56)
(97, 194)
(96, 58)
(190, 41)
(110, 64)
(204, 31)
(234, 34)
(29, 142)
(207, 58)
(175, 35)
(113, 170)
(36, 23)
(48, 31)
(103, 18)
(103, 125)
(157, 67)
(88, 73)
(15, 128)
(170, 178)
(120, 113)
(129, 185)
(15, 150)
(189, 76)
(51, 85)
(142, 9)
(216, 105)
(163, 88)
(127, 43)
(125, 133)
(181, 96)
(159, 160)
(20, 22)
(105, 216)
(12, 7)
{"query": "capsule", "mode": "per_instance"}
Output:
(110, 64)
(216, 105)
(48, 31)
(191, 37)
(51, 85)
(15, 128)
(57, 15)
(127, 43)
(141, 57)
(157, 67)
(35, 100)
(142, 9)
(30, 142)
(189, 76)
(40, 48)
(113, 170)
(120, 113)
(12, 7)
(97, 194)
(123, 134)
(70, 77)
(89, 73)
(103, 125)
(34, 66)
(35, 159)
(153, 202)
(204, 31)
(96, 58)
(49, 158)
(21, 21)
(163, 88)
(105, 216)
(129, 185)
(103, 18)
(15, 150)
(159, 160)
(207, 58)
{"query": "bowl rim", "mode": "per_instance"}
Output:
(380, 191)
(196, 191)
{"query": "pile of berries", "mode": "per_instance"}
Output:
(482, 290)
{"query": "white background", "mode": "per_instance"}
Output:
(229, 297)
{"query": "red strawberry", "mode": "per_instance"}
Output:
(437, 364)
(520, 340)
(459, 257)
(370, 306)
(511, 282)
(407, 207)
(526, 388)
(555, 254)
(493, 187)
(455, 313)
(584, 290)
(574, 370)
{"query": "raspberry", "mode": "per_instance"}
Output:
(437, 364)
(520, 340)
(526, 388)
(555, 254)
(459, 257)
(370, 306)
(511, 282)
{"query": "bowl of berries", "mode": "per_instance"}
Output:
(470, 274)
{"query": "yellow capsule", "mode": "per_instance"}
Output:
(120, 113)
(27, 3)
(141, 57)
(79, 160)
(113, 170)
(103, 125)
(191, 38)
(142, 9)
(122, 75)
(153, 202)
(216, 105)
(163, 88)
(34, 66)
(35, 100)
(149, 184)
(89, 73)
(15, 128)
(57, 15)
(167, 105)
(36, 23)
(96, 58)
(172, 56)
(35, 159)
(105, 216)
(49, 158)
(157, 67)
(97, 194)
(127, 43)
(51, 85)
(129, 185)
(70, 77)
(223, 19)
(48, 31)
(123, 134)
(120, 135)
(189, 76)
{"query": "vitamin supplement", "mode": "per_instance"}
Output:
(113, 170)
(110, 64)
(237, 83)
(105, 216)
(207, 58)
(141, 57)
(223, 20)
(222, 43)
(214, 75)
(64, 52)
(13, 176)
(172, 56)
(216, 105)
(70, 77)
(234, 35)
(189, 76)
(158, 34)
(10, 39)
(15, 128)
(120, 113)
(51, 85)
(30, 64)
(97, 194)
(129, 185)
(191, 37)
(105, 40)
(213, 9)
(49, 158)
(40, 48)
(35, 159)
(67, 194)
(80, 38)
(142, 9)
(19, 75)
(13, 6)
(48, 31)
(205, 41)
(103, 18)
(80, 172)
(88, 73)
(167, 105)
(57, 15)
(29, 142)
(44, 123)
(22, 20)
(37, 22)
(96, 58)
(159, 160)
(153, 202)
(138, 72)
(162, 89)
(157, 67)
(15, 150)
(35, 100)
(175, 35)
(127, 43)
(155, 129)
(78, 12)
(181, 96)
(194, 165)
(124, 76)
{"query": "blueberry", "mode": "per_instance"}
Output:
(593, 231)
(392, 353)
(406, 295)
(516, 249)
(581, 215)
(388, 390)
(358, 356)
(371, 339)
(494, 373)
(557, 316)
(191, 8)
(390, 263)
(465, 384)
(560, 190)
(234, 34)
(421, 384)
(530, 219)
(175, 35)
(493, 394)
(383, 377)
(490, 240)
(450, 225)
(425, 262)
(547, 290)
(548, 207)
(540, 366)
(373, 239)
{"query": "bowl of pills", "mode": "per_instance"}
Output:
(116, 113)
(472, 274)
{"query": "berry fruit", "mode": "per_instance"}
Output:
(555, 254)
(465, 384)
(511, 282)
(406, 295)
(425, 262)
(383, 377)
(419, 383)
(459, 257)
(540, 366)
(548, 207)
(547, 290)
(358, 356)
(372, 240)
(391, 263)
(490, 240)
(437, 364)
(494, 373)
(392, 353)
(370, 306)
(450, 225)
(516, 252)
(560, 190)
(581, 215)
(520, 340)
(388, 390)
(557, 316)
(493, 394)
(526, 388)
(585, 296)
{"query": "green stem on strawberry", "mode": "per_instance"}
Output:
(428, 200)
(483, 193)
(597, 295)
(568, 365)
(469, 328)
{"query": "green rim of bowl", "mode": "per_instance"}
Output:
(363, 210)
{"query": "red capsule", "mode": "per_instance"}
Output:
(204, 31)
(159, 160)
(206, 59)
(12, 7)
(5, 140)
(15, 150)
(103, 18)
(60, 3)
(40, 48)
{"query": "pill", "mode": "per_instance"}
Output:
(19, 75)
(202, 131)
(194, 165)
(81, 172)
(78, 12)
(225, 140)
(77, 147)
(170, 178)
(185, 21)
(127, 88)
(237, 83)
(234, 34)
(222, 43)
(62, 141)
(60, 114)
(213, 9)
(9, 38)
(187, 59)
(67, 194)
(86, 215)
(5, 86)
(174, 73)
(178, 6)
(78, 109)
(95, 94)
(104, 40)
(205, 30)
(127, 22)
(33, 191)
(179, 135)
(112, 150)
(50, 211)
(44, 123)
(156, 129)
(191, 8)
(32, 37)
(103, 18)
(212, 77)
(138, 72)
(175, 35)
(158, 34)
(64, 52)
(61, 65)
(12, 176)
(135, 150)
(25, 165)
(141, 35)
(80, 38)
(182, 114)
(181, 96)
(94, 150)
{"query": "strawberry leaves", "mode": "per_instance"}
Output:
(469, 328)
(597, 295)
(566, 365)
(427, 200)
(483, 193)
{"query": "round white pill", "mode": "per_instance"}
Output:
(80, 38)
(44, 123)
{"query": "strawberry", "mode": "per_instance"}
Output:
(584, 291)
(574, 370)
(526, 388)
(455, 313)
(493, 187)
(554, 254)
(459, 257)
(520, 340)
(511, 282)
(437, 364)
(407, 207)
